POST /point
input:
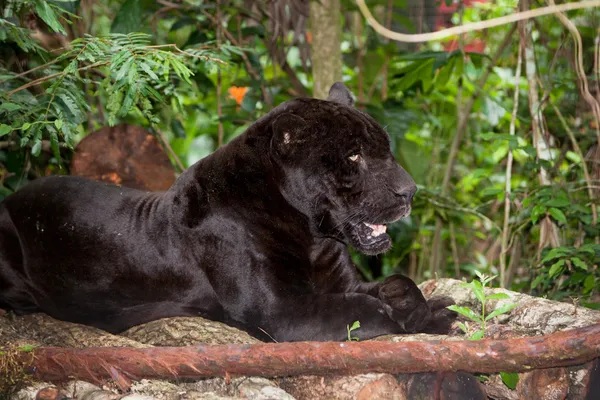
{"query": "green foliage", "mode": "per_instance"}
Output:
(478, 289)
(510, 379)
(349, 328)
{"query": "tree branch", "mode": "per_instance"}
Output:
(473, 26)
(317, 358)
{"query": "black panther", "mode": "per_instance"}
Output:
(255, 235)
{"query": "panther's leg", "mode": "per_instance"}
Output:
(409, 308)
(14, 292)
(326, 317)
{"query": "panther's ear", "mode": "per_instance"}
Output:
(287, 132)
(339, 93)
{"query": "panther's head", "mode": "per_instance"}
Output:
(337, 169)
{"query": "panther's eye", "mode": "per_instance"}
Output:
(354, 157)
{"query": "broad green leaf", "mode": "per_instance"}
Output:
(477, 335)
(36, 149)
(510, 379)
(5, 129)
(589, 283)
(45, 12)
(589, 248)
(467, 312)
(501, 310)
(556, 268)
(538, 210)
(462, 326)
(355, 325)
(558, 215)
(579, 263)
(557, 203)
(555, 253)
(444, 74)
(498, 296)
(9, 107)
(537, 281)
(58, 124)
(25, 126)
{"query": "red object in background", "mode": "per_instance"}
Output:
(444, 20)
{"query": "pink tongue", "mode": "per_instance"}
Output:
(377, 229)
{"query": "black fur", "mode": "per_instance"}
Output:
(254, 235)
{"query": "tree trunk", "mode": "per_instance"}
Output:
(326, 54)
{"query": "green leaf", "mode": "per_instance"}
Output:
(498, 296)
(146, 68)
(537, 211)
(9, 107)
(416, 74)
(477, 335)
(54, 145)
(555, 253)
(36, 149)
(537, 281)
(579, 263)
(58, 124)
(556, 268)
(510, 379)
(355, 325)
(478, 291)
(589, 283)
(467, 312)
(500, 310)
(45, 12)
(557, 215)
(5, 129)
(26, 348)
(444, 73)
(25, 126)
(462, 326)
(560, 202)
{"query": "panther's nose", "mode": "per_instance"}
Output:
(406, 193)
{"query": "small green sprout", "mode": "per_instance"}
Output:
(349, 328)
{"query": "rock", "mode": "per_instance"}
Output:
(497, 390)
(47, 331)
(186, 331)
(543, 384)
(338, 387)
(532, 316)
(78, 389)
(137, 397)
(100, 395)
(48, 393)
(384, 388)
(30, 392)
(157, 389)
(261, 389)
(443, 386)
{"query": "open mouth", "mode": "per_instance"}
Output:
(376, 230)
(370, 238)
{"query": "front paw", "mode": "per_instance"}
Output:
(441, 318)
(408, 307)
